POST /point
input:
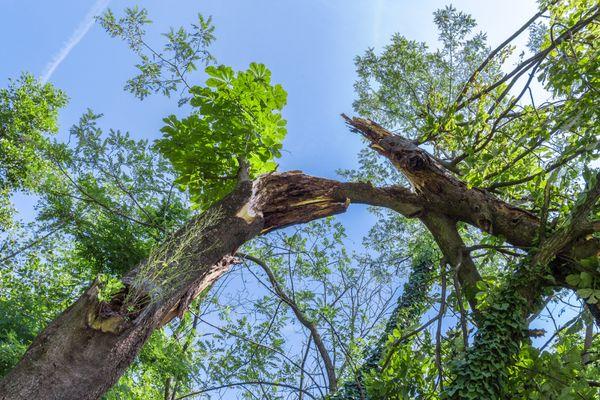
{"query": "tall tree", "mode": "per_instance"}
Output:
(481, 164)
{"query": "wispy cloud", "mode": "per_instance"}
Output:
(82, 29)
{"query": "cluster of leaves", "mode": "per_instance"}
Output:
(33, 284)
(587, 281)
(542, 138)
(410, 88)
(407, 375)
(501, 364)
(35, 288)
(113, 195)
(165, 71)
(108, 287)
(103, 202)
(237, 120)
(496, 345)
(28, 113)
(561, 374)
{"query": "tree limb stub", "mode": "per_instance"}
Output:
(444, 193)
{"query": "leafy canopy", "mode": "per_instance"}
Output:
(237, 118)
(480, 116)
(28, 112)
(106, 200)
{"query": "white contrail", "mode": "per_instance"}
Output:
(81, 30)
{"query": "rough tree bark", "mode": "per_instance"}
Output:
(82, 353)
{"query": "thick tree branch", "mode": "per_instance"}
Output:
(445, 199)
(551, 247)
(86, 349)
(443, 193)
(452, 246)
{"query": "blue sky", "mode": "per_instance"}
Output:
(309, 45)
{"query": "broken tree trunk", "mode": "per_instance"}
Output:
(86, 349)
(82, 353)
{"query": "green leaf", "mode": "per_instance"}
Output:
(585, 279)
(585, 293)
(573, 279)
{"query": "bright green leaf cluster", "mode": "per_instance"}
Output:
(586, 282)
(237, 117)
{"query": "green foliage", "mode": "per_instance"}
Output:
(586, 284)
(563, 372)
(114, 196)
(501, 137)
(407, 375)
(34, 289)
(237, 117)
(28, 114)
(483, 373)
(409, 88)
(165, 71)
(107, 201)
(571, 68)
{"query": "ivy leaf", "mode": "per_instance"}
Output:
(585, 279)
(573, 279)
(585, 293)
